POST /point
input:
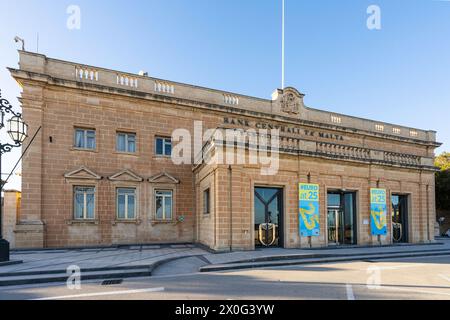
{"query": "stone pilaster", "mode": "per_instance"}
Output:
(29, 231)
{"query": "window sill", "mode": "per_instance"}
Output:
(162, 157)
(84, 150)
(82, 222)
(155, 222)
(133, 154)
(125, 221)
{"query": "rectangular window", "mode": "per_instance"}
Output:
(84, 203)
(163, 146)
(126, 142)
(163, 205)
(84, 139)
(206, 202)
(126, 203)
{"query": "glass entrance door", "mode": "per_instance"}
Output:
(268, 217)
(341, 218)
(399, 218)
(334, 226)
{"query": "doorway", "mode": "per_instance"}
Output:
(399, 218)
(268, 217)
(341, 218)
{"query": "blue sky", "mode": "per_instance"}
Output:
(399, 74)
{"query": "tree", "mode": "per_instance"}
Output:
(443, 181)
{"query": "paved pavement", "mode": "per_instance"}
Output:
(41, 260)
(406, 278)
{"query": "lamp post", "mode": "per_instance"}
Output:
(17, 131)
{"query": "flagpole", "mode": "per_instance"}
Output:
(282, 46)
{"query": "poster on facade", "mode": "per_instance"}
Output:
(309, 210)
(378, 211)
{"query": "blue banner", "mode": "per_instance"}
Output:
(378, 212)
(309, 225)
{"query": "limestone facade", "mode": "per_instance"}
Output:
(336, 151)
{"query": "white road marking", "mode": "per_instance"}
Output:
(444, 277)
(349, 289)
(106, 293)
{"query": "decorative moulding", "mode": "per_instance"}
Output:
(82, 173)
(82, 222)
(124, 221)
(126, 175)
(288, 100)
(163, 177)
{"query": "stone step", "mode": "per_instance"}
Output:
(33, 272)
(15, 280)
(295, 256)
(343, 258)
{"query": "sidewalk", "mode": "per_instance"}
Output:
(281, 257)
(94, 258)
(45, 266)
(270, 253)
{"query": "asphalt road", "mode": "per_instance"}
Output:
(407, 278)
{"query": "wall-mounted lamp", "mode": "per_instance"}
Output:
(18, 39)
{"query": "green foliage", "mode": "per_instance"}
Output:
(443, 181)
(443, 161)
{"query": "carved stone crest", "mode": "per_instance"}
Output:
(290, 103)
(288, 100)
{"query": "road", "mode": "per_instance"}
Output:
(408, 278)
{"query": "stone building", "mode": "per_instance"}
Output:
(100, 171)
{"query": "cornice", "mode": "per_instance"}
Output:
(147, 96)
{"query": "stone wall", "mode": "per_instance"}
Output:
(330, 175)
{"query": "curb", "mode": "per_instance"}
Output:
(10, 263)
(109, 247)
(292, 262)
(63, 277)
(326, 255)
(56, 271)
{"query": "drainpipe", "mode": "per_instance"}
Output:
(230, 205)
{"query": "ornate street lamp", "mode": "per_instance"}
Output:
(18, 132)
